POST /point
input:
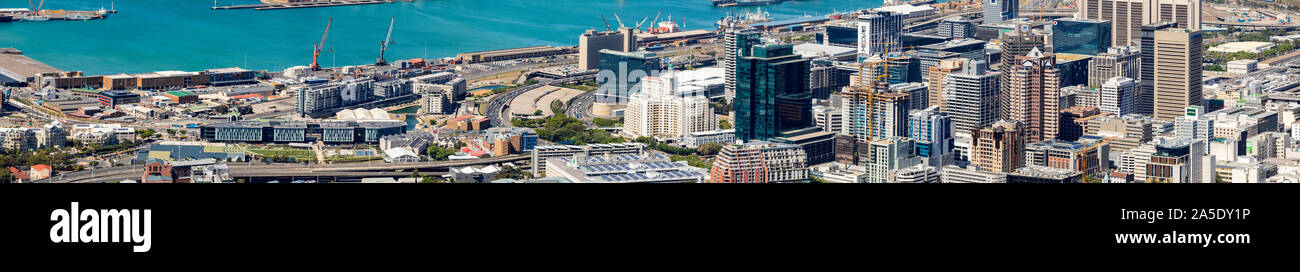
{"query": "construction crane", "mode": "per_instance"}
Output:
(602, 19)
(38, 6)
(315, 66)
(620, 20)
(642, 22)
(384, 46)
(655, 23)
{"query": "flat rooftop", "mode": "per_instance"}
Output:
(18, 66)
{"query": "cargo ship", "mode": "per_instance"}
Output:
(734, 3)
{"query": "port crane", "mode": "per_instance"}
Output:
(315, 66)
(638, 25)
(384, 46)
(655, 24)
(38, 6)
(602, 19)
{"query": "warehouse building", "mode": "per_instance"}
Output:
(331, 132)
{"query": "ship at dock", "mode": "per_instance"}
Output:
(741, 3)
(38, 14)
(745, 18)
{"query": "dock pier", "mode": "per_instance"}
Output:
(274, 4)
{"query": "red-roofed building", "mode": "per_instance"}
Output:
(40, 171)
(18, 175)
(248, 97)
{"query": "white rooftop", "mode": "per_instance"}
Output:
(905, 8)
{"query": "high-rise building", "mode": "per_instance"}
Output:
(957, 27)
(1072, 68)
(739, 43)
(823, 79)
(971, 97)
(771, 93)
(1080, 36)
(1018, 43)
(930, 58)
(1147, 72)
(875, 113)
(918, 96)
(932, 130)
(845, 35)
(592, 41)
(1177, 65)
(1031, 95)
(998, 148)
(997, 11)
(1117, 96)
(1194, 124)
(658, 111)
(1128, 16)
(759, 162)
(818, 144)
(1128, 131)
(1115, 62)
(878, 32)
(620, 76)
(935, 81)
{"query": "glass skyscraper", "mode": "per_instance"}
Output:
(621, 73)
(772, 93)
(1080, 36)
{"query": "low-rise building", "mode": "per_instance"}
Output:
(401, 155)
(696, 139)
(1244, 66)
(625, 168)
(760, 162)
(542, 153)
(971, 174)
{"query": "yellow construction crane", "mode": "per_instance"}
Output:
(867, 88)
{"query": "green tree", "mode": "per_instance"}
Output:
(538, 112)
(708, 148)
(432, 179)
(145, 133)
(723, 124)
(439, 153)
(510, 172)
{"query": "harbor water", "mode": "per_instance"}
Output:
(187, 35)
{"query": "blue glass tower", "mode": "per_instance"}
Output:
(772, 93)
(1080, 36)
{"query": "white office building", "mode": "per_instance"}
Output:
(1117, 96)
(658, 111)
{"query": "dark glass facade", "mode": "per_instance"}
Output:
(1080, 36)
(621, 74)
(1073, 71)
(842, 35)
(772, 93)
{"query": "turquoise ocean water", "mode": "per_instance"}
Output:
(186, 35)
